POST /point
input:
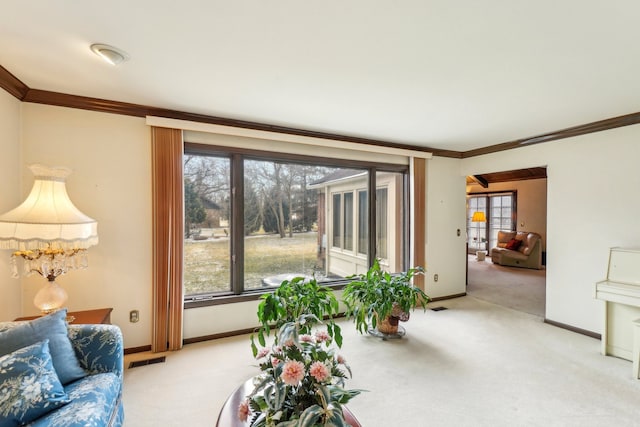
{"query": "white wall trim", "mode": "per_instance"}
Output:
(278, 136)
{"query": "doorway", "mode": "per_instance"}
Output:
(510, 201)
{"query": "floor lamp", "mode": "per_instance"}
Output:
(49, 234)
(479, 216)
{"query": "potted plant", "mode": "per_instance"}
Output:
(378, 300)
(299, 300)
(302, 378)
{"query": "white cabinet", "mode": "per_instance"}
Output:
(621, 293)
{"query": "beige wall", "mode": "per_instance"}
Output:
(592, 205)
(446, 214)
(531, 200)
(10, 197)
(110, 156)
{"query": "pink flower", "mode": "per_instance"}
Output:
(341, 359)
(306, 338)
(319, 371)
(262, 353)
(292, 372)
(275, 361)
(289, 343)
(244, 411)
(322, 336)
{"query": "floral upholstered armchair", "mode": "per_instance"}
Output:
(58, 375)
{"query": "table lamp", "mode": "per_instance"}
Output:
(49, 234)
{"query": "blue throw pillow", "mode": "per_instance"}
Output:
(54, 328)
(29, 385)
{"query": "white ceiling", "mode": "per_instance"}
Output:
(446, 74)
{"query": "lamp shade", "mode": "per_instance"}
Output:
(47, 218)
(478, 217)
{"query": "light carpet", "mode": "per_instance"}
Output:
(522, 289)
(474, 364)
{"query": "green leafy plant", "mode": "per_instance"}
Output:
(297, 301)
(301, 383)
(376, 295)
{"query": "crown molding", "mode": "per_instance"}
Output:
(12, 84)
(598, 126)
(21, 91)
(115, 107)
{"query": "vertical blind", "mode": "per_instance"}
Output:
(419, 214)
(168, 232)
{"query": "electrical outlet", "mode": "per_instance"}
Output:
(134, 316)
(435, 277)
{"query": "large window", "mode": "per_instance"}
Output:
(253, 220)
(499, 211)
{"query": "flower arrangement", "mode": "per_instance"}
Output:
(301, 382)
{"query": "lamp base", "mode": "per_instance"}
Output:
(50, 298)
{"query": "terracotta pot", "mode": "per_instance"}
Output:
(388, 325)
(397, 312)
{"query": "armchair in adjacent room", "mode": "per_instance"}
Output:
(518, 249)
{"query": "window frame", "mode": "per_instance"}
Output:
(337, 221)
(363, 223)
(347, 221)
(238, 156)
(382, 226)
(488, 229)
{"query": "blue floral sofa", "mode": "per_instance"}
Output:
(58, 375)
